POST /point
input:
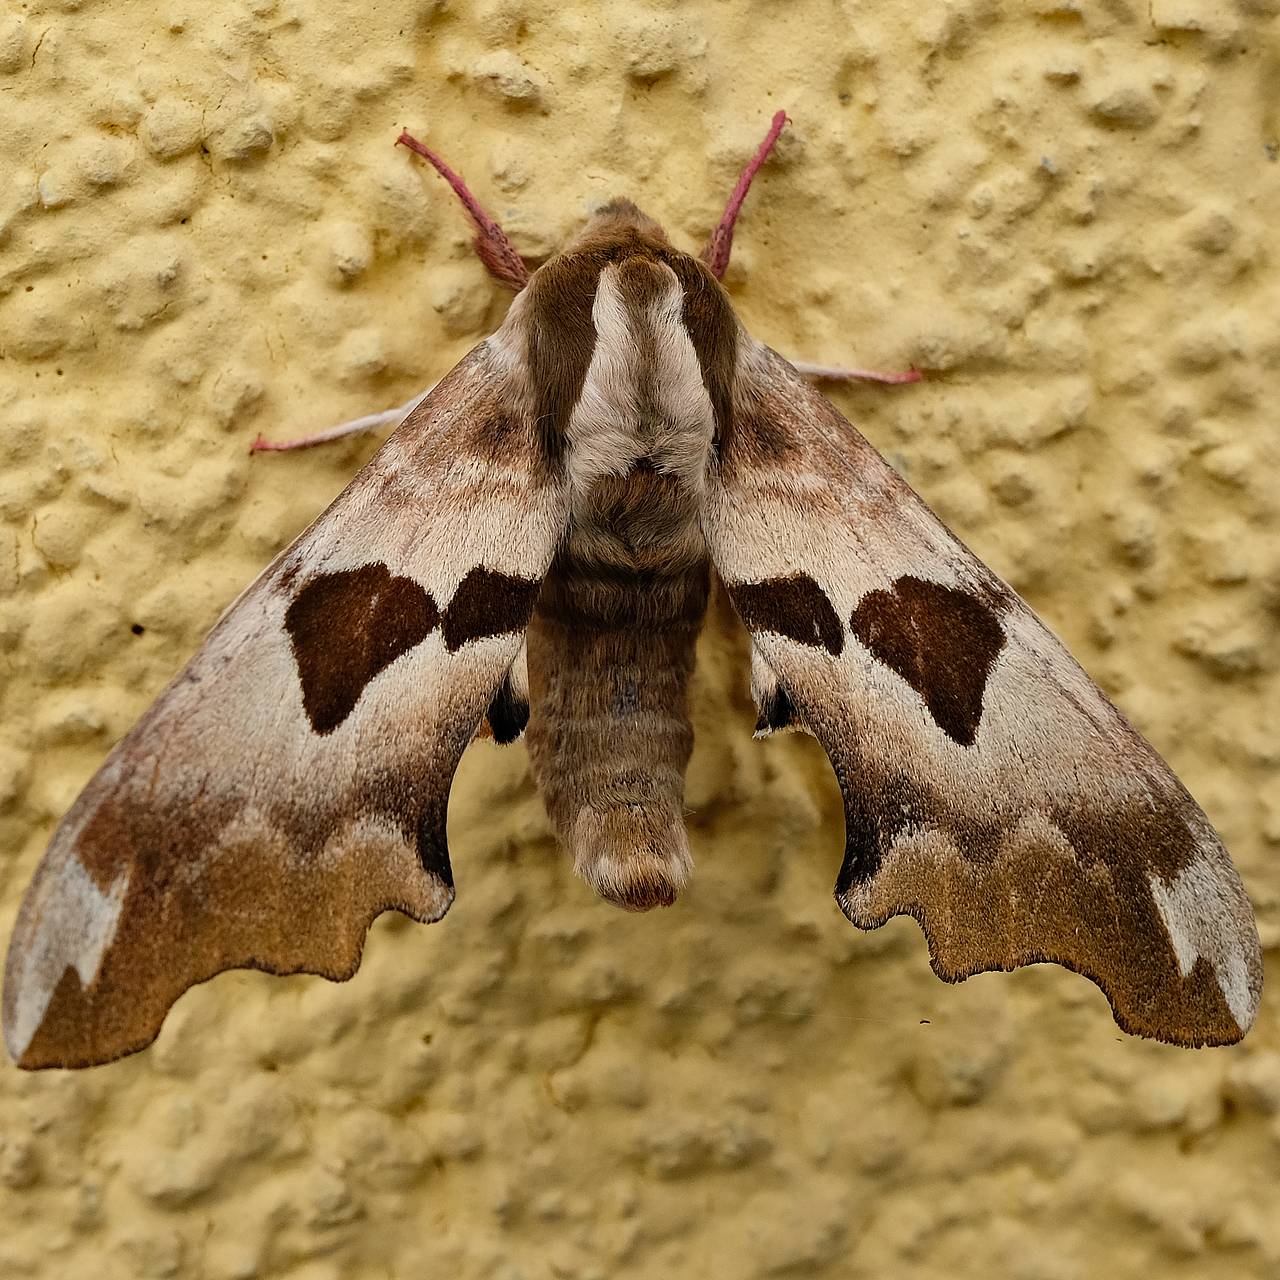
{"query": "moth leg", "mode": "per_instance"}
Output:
(491, 243)
(716, 254)
(833, 373)
(357, 426)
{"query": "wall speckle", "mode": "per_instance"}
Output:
(1065, 213)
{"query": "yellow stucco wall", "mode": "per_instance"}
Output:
(1065, 211)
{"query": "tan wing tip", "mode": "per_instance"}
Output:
(1197, 1014)
(92, 1026)
(631, 856)
(66, 1027)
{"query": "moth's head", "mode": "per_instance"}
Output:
(621, 236)
(616, 226)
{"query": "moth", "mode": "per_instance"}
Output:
(531, 553)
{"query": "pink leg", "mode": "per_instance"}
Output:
(831, 373)
(370, 422)
(716, 254)
(495, 250)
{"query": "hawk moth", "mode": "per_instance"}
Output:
(531, 553)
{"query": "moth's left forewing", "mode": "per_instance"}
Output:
(293, 781)
(991, 790)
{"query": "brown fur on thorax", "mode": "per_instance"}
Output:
(561, 337)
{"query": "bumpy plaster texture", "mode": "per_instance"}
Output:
(1066, 213)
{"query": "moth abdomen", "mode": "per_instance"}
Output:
(609, 734)
(634, 855)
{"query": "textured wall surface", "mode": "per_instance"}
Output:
(1065, 212)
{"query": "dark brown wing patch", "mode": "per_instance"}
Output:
(794, 606)
(487, 603)
(508, 713)
(776, 713)
(348, 626)
(432, 846)
(942, 641)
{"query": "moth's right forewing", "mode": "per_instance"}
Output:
(991, 790)
(292, 782)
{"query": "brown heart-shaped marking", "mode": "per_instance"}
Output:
(348, 626)
(941, 640)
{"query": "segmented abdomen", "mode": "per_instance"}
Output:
(611, 649)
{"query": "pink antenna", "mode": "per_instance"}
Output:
(716, 254)
(496, 251)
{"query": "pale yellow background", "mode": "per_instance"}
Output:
(1065, 212)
